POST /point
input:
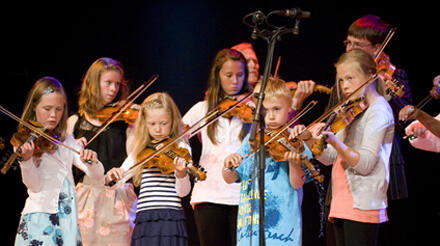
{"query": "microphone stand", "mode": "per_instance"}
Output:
(271, 37)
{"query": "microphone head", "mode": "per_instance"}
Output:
(297, 13)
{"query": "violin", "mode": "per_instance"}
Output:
(24, 135)
(349, 112)
(165, 160)
(281, 144)
(243, 111)
(339, 120)
(277, 143)
(386, 69)
(44, 140)
(128, 115)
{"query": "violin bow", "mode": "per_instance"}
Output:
(278, 66)
(385, 42)
(135, 94)
(213, 113)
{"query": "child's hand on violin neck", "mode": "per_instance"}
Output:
(27, 150)
(293, 158)
(88, 155)
(233, 161)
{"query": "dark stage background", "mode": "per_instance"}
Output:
(178, 41)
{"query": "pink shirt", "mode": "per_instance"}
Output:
(342, 199)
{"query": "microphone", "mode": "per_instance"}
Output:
(294, 13)
(258, 17)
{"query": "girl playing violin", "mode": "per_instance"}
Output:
(104, 213)
(283, 179)
(50, 213)
(160, 219)
(360, 154)
(214, 201)
(103, 84)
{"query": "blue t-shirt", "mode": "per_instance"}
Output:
(283, 220)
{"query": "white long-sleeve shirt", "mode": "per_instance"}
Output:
(44, 176)
(214, 189)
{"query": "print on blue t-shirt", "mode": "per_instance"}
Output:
(283, 222)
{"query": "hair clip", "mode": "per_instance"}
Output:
(48, 90)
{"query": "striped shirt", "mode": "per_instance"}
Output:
(157, 191)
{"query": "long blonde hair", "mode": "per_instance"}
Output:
(43, 86)
(158, 100)
(215, 92)
(90, 95)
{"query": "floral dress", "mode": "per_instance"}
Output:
(52, 229)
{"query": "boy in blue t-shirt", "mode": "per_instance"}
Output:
(283, 180)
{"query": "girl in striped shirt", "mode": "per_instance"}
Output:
(160, 219)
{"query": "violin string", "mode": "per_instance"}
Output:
(385, 42)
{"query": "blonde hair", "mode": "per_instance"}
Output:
(90, 95)
(158, 100)
(275, 88)
(43, 86)
(364, 64)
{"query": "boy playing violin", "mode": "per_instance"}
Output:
(283, 179)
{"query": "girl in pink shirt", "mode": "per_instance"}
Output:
(360, 153)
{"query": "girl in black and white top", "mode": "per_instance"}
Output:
(160, 219)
